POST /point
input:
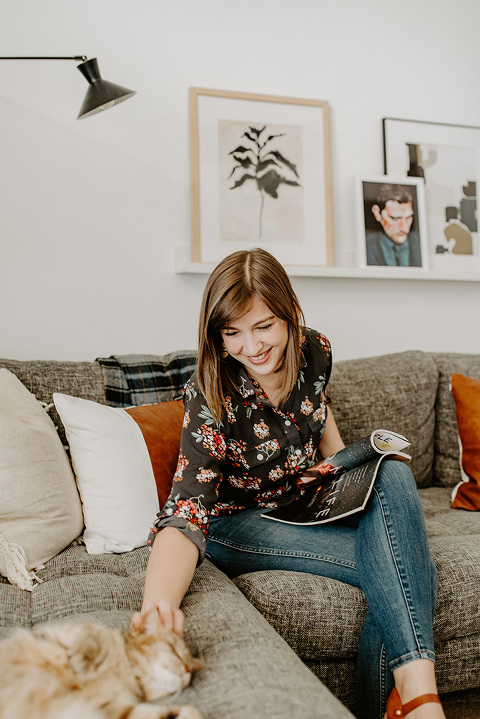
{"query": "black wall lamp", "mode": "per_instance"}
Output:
(101, 94)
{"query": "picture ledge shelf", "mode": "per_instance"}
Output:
(183, 265)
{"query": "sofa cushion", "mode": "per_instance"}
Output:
(161, 425)
(44, 377)
(395, 392)
(249, 669)
(454, 537)
(446, 465)
(40, 510)
(114, 469)
(466, 393)
(312, 601)
(337, 610)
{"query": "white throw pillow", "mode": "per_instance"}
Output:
(40, 510)
(113, 472)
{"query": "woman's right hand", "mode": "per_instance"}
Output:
(172, 618)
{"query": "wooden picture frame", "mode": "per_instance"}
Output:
(260, 171)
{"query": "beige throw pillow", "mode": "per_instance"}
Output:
(40, 509)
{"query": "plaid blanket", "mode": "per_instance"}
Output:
(145, 379)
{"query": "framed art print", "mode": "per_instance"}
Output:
(392, 229)
(260, 168)
(447, 159)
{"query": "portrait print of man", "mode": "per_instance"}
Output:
(392, 240)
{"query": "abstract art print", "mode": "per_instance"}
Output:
(447, 159)
(260, 176)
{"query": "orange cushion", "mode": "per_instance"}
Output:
(466, 393)
(161, 426)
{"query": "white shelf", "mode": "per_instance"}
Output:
(183, 265)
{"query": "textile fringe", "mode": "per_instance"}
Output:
(13, 565)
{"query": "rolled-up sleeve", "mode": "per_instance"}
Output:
(198, 473)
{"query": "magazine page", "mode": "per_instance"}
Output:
(380, 441)
(336, 497)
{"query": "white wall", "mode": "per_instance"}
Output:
(90, 211)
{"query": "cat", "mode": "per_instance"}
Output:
(88, 671)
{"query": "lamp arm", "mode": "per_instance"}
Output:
(77, 58)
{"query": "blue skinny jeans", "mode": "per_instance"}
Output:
(383, 550)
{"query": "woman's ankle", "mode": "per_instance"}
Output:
(414, 679)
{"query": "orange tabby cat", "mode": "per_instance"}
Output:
(87, 671)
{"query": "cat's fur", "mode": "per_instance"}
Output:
(87, 671)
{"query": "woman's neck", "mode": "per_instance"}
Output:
(273, 390)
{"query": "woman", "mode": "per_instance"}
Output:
(256, 414)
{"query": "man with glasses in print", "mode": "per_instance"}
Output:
(393, 242)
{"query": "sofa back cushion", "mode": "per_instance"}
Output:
(44, 377)
(446, 466)
(40, 510)
(395, 392)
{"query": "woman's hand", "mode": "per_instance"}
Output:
(172, 619)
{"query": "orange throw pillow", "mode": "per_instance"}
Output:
(161, 426)
(466, 393)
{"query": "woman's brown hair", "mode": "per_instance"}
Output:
(228, 294)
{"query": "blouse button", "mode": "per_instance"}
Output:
(259, 456)
(287, 423)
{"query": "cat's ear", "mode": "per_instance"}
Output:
(191, 663)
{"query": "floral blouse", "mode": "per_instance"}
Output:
(250, 458)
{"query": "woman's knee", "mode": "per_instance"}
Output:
(396, 484)
(396, 473)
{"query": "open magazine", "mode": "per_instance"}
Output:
(341, 484)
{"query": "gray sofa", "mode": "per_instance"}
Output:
(267, 638)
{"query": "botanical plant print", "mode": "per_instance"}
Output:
(261, 429)
(235, 451)
(181, 465)
(295, 459)
(191, 509)
(252, 457)
(265, 451)
(230, 410)
(245, 482)
(211, 439)
(259, 159)
(276, 473)
(205, 475)
(306, 407)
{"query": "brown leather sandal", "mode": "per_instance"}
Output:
(397, 710)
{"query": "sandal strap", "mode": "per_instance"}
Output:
(423, 699)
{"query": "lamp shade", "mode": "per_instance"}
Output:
(101, 94)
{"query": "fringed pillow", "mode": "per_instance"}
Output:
(40, 509)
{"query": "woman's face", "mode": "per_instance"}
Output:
(258, 340)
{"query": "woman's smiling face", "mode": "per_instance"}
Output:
(258, 340)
